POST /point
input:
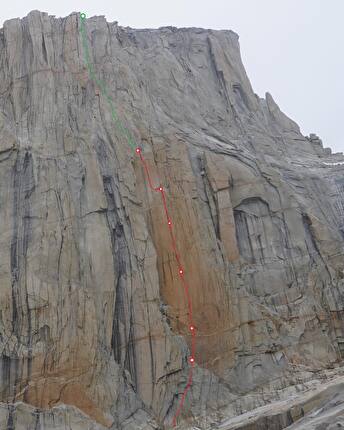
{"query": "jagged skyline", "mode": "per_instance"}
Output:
(96, 325)
(290, 49)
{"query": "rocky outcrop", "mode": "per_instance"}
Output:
(93, 319)
(317, 408)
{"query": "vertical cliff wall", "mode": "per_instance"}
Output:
(93, 320)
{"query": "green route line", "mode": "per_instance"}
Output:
(125, 132)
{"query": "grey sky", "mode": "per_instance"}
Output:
(291, 48)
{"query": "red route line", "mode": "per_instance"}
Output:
(181, 273)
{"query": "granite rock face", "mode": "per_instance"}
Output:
(93, 319)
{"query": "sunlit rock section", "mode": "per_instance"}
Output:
(93, 318)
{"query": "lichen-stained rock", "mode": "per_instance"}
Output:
(93, 318)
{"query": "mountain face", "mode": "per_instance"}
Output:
(93, 318)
